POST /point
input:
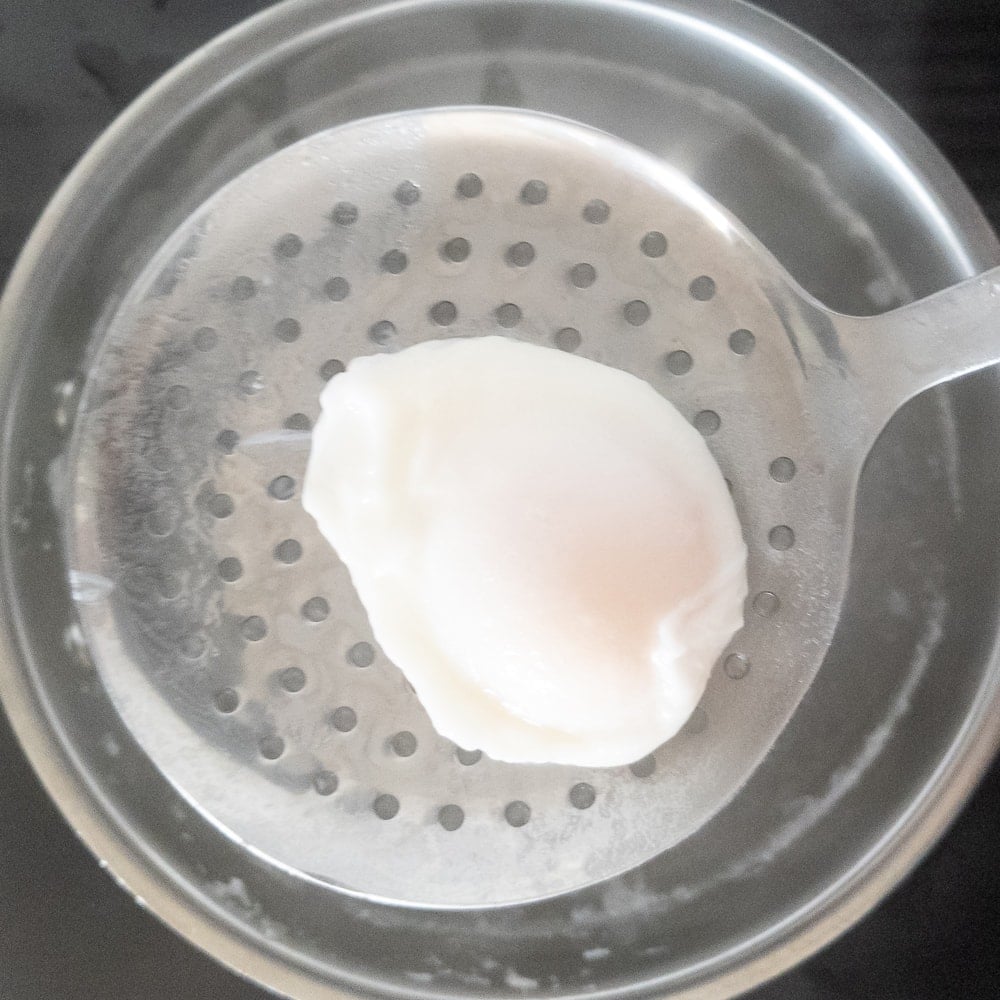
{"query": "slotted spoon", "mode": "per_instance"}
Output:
(226, 630)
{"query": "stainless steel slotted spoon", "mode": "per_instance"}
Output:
(227, 632)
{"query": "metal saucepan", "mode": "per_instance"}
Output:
(877, 755)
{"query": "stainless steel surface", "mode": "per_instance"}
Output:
(898, 722)
(236, 666)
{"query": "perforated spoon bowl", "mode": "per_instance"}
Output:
(228, 633)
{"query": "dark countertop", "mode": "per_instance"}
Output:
(66, 930)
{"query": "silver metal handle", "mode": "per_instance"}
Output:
(858, 371)
(899, 354)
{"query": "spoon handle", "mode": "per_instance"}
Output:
(897, 355)
(859, 370)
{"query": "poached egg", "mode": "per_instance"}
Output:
(543, 544)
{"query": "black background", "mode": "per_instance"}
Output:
(67, 67)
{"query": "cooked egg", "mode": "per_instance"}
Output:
(544, 545)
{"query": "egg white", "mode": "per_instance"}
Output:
(543, 544)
